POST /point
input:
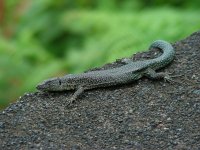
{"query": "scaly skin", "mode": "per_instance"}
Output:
(121, 75)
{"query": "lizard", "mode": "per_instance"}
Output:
(127, 73)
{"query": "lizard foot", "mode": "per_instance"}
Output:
(169, 79)
(71, 101)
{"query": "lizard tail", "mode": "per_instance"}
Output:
(168, 52)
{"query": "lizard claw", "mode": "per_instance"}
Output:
(169, 79)
(70, 101)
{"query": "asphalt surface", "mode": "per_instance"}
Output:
(146, 114)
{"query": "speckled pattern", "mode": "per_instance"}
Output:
(165, 58)
(143, 115)
(120, 75)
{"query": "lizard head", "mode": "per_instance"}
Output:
(57, 84)
(49, 85)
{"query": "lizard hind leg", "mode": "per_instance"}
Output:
(150, 73)
(78, 92)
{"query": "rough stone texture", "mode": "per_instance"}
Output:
(144, 114)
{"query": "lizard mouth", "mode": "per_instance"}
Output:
(41, 87)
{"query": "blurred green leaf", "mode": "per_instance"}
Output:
(42, 39)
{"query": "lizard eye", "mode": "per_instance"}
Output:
(60, 82)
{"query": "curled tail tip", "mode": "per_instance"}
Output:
(158, 43)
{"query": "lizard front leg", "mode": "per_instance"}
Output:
(78, 92)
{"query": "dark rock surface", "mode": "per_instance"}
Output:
(144, 114)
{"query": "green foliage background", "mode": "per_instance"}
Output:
(42, 39)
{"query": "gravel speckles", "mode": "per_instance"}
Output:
(145, 114)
